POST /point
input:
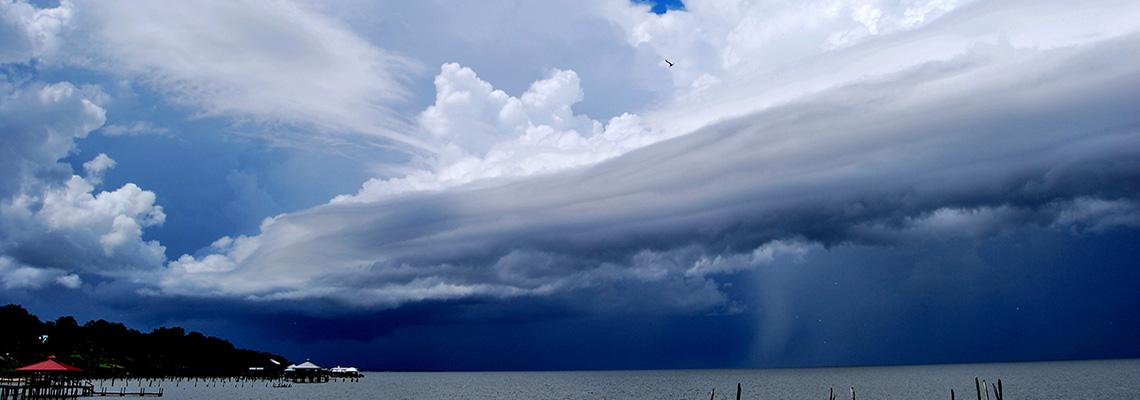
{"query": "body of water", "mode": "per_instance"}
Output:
(1110, 379)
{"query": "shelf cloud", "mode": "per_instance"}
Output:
(1037, 140)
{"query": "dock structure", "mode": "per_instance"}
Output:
(307, 372)
(48, 379)
(345, 372)
(123, 392)
(51, 380)
(39, 389)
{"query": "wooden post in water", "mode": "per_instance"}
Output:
(852, 393)
(977, 388)
(1001, 392)
(830, 393)
(986, 386)
(738, 391)
(712, 395)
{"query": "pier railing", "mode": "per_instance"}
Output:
(40, 389)
(20, 390)
(71, 387)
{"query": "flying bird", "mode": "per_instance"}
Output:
(669, 62)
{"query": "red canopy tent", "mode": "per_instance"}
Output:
(51, 379)
(49, 365)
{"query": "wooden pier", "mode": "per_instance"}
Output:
(122, 392)
(24, 390)
(51, 379)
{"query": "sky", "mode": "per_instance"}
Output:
(509, 185)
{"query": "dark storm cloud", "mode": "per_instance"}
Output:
(997, 138)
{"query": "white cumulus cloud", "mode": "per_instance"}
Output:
(95, 168)
(490, 134)
(54, 225)
(28, 32)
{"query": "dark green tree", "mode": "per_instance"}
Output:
(108, 348)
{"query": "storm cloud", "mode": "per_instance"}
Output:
(994, 139)
(512, 185)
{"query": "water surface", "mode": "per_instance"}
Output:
(1113, 379)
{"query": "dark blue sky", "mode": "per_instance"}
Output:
(518, 186)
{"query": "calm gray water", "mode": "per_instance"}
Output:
(1116, 379)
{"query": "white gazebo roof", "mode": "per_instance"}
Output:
(306, 365)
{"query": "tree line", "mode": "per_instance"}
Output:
(112, 349)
